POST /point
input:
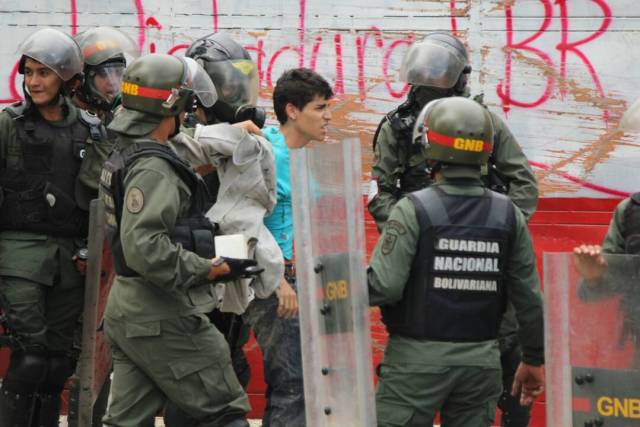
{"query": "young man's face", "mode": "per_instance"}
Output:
(41, 82)
(312, 121)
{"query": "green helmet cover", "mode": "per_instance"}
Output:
(455, 130)
(155, 84)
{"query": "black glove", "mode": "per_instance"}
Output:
(240, 269)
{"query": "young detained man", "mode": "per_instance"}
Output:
(301, 103)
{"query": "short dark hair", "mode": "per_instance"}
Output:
(298, 86)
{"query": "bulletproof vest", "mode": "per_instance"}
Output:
(38, 180)
(456, 290)
(632, 226)
(193, 231)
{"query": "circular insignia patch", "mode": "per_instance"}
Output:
(135, 200)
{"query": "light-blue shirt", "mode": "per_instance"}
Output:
(280, 222)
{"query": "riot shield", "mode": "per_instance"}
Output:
(332, 292)
(592, 327)
(90, 389)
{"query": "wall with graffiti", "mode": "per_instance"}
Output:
(561, 72)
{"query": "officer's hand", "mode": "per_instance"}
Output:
(528, 382)
(590, 263)
(287, 300)
(225, 269)
(249, 126)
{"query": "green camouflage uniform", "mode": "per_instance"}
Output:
(164, 346)
(419, 377)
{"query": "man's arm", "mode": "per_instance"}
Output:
(514, 166)
(384, 175)
(393, 255)
(524, 292)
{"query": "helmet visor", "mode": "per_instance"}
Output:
(197, 79)
(56, 50)
(236, 81)
(430, 64)
(104, 43)
(106, 80)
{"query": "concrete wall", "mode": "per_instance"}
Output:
(561, 72)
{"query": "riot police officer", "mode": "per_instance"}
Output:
(105, 51)
(164, 347)
(438, 67)
(43, 140)
(601, 280)
(449, 259)
(235, 76)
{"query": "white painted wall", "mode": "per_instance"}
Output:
(563, 108)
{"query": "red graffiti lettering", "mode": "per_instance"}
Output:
(565, 46)
(14, 95)
(338, 88)
(314, 52)
(74, 18)
(504, 88)
(260, 55)
(152, 22)
(142, 35)
(454, 21)
(361, 45)
(214, 15)
(385, 67)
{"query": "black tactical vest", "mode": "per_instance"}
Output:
(632, 226)
(38, 177)
(193, 231)
(456, 289)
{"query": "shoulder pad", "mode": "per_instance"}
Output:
(16, 110)
(89, 118)
(93, 122)
(635, 198)
(401, 120)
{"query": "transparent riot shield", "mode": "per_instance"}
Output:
(90, 387)
(592, 330)
(334, 313)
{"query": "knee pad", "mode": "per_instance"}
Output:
(27, 369)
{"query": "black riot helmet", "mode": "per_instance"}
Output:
(105, 51)
(439, 61)
(235, 76)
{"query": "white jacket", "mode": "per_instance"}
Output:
(246, 168)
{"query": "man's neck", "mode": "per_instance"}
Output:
(292, 137)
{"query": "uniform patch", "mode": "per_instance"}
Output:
(396, 226)
(389, 243)
(135, 200)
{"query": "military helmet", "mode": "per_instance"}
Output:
(440, 60)
(232, 71)
(105, 51)
(159, 85)
(164, 85)
(54, 49)
(455, 130)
